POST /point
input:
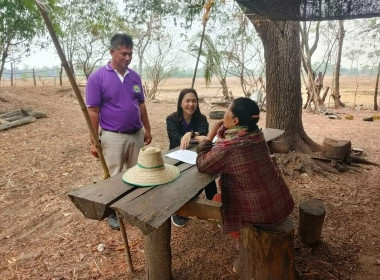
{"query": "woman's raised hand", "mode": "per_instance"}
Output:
(185, 141)
(214, 129)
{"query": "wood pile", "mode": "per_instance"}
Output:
(19, 117)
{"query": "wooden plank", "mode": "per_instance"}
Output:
(94, 200)
(150, 211)
(272, 133)
(202, 209)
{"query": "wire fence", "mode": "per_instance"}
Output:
(38, 78)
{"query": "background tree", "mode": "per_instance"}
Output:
(246, 55)
(147, 19)
(160, 62)
(20, 23)
(336, 91)
(215, 61)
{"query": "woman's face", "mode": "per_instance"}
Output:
(189, 104)
(229, 119)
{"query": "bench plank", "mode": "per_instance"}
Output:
(150, 211)
(202, 209)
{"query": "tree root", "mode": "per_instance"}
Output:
(294, 164)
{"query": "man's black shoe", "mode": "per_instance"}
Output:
(113, 222)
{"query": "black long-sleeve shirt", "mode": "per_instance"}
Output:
(176, 130)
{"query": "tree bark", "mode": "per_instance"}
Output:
(375, 106)
(4, 55)
(284, 102)
(336, 93)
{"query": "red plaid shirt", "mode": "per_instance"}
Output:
(253, 191)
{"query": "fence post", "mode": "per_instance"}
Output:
(12, 74)
(34, 78)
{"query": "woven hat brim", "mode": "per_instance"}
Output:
(150, 177)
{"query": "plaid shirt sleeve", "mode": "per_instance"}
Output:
(210, 160)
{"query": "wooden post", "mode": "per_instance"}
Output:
(12, 74)
(34, 78)
(311, 218)
(158, 255)
(266, 252)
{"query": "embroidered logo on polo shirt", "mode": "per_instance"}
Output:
(136, 88)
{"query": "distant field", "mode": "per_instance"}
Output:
(363, 88)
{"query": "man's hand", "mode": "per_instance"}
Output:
(147, 138)
(94, 151)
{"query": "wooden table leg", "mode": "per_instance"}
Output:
(125, 240)
(158, 253)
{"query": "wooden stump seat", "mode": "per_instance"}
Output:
(266, 252)
(311, 218)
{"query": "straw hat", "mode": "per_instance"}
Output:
(150, 169)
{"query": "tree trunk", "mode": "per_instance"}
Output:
(284, 102)
(336, 93)
(60, 76)
(3, 58)
(375, 106)
(223, 82)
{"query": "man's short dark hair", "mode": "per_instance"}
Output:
(121, 39)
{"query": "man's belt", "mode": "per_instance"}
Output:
(132, 131)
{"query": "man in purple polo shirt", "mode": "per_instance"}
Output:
(115, 103)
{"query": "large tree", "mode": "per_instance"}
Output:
(281, 43)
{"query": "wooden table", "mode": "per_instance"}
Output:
(150, 208)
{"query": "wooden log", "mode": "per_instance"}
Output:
(266, 252)
(158, 257)
(14, 113)
(25, 120)
(336, 149)
(311, 218)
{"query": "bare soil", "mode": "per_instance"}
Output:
(43, 235)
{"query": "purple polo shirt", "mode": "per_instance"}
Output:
(118, 101)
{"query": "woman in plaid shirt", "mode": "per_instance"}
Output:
(252, 189)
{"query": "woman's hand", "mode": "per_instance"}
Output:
(200, 138)
(214, 129)
(185, 141)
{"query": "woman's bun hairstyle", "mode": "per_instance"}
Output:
(247, 111)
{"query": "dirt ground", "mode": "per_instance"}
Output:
(43, 235)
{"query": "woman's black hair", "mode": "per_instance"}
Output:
(247, 111)
(197, 112)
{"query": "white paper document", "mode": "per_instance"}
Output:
(184, 156)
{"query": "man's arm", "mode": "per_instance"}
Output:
(93, 113)
(145, 121)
